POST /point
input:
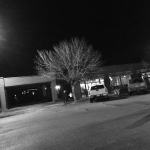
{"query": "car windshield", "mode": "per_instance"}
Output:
(97, 87)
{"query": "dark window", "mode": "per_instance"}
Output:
(138, 80)
(97, 87)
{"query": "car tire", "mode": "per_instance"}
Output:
(91, 100)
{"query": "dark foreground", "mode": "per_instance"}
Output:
(113, 125)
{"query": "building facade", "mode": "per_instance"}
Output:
(119, 75)
(27, 88)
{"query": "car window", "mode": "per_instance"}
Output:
(97, 87)
(137, 80)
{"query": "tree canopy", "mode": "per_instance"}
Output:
(71, 60)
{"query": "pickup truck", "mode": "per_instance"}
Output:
(137, 85)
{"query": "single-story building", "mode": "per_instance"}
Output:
(118, 74)
(26, 87)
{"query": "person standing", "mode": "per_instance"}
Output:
(65, 94)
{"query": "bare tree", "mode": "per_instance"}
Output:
(71, 61)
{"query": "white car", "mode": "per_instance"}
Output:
(98, 92)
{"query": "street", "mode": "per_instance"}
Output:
(112, 125)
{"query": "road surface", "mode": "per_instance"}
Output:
(112, 125)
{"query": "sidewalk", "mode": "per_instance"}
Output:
(27, 109)
(36, 107)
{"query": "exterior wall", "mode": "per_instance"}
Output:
(90, 83)
(53, 90)
(120, 80)
(114, 81)
(16, 81)
(125, 79)
(2, 95)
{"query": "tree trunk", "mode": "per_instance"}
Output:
(107, 82)
(76, 91)
(86, 90)
(73, 93)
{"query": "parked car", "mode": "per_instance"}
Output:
(137, 85)
(98, 92)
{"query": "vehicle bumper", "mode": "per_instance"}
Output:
(98, 98)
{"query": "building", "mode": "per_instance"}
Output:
(26, 87)
(119, 75)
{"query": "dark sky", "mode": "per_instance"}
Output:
(119, 30)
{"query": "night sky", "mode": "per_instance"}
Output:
(118, 30)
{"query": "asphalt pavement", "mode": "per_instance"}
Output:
(111, 125)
